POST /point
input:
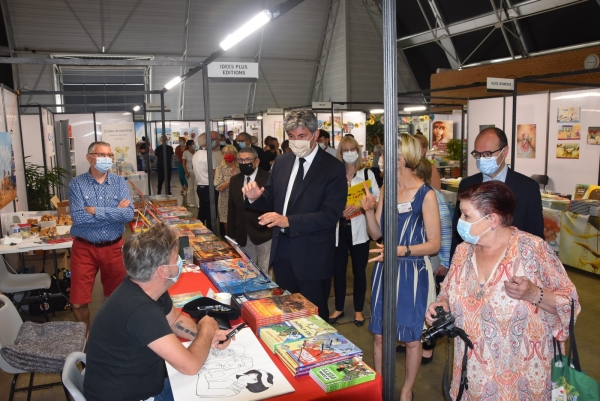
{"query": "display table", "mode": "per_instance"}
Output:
(306, 388)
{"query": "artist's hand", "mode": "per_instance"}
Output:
(368, 202)
(273, 219)
(221, 335)
(252, 191)
(521, 288)
(350, 210)
(123, 204)
(441, 271)
(429, 315)
(90, 209)
(379, 252)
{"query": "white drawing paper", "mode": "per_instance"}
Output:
(243, 371)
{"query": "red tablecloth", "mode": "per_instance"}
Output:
(306, 388)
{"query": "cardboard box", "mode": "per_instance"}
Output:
(62, 207)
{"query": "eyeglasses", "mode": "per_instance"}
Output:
(246, 161)
(486, 155)
(111, 155)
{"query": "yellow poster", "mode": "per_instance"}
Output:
(356, 193)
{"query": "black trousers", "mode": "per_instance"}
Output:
(160, 169)
(360, 256)
(204, 207)
(316, 291)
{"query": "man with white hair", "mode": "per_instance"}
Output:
(200, 164)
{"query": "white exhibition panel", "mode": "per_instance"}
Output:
(49, 143)
(13, 124)
(531, 109)
(273, 126)
(565, 173)
(482, 112)
(32, 136)
(82, 131)
(111, 118)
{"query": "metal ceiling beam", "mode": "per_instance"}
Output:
(505, 4)
(11, 40)
(100, 62)
(88, 93)
(186, 38)
(442, 40)
(253, 85)
(102, 25)
(511, 14)
(123, 25)
(82, 25)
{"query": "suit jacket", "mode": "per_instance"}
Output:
(262, 156)
(312, 215)
(528, 215)
(242, 219)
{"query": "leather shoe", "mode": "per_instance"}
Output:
(333, 320)
(401, 349)
(425, 361)
(359, 322)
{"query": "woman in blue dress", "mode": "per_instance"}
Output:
(419, 233)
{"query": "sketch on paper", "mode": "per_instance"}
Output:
(593, 137)
(8, 191)
(567, 151)
(568, 114)
(242, 371)
(569, 132)
(526, 134)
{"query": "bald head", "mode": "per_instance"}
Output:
(491, 134)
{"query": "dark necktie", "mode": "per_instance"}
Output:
(247, 180)
(297, 181)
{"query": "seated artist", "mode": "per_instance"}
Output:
(136, 329)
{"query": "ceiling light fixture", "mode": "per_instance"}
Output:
(259, 117)
(246, 30)
(377, 111)
(173, 82)
(136, 108)
(415, 108)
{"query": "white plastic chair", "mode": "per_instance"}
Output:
(72, 378)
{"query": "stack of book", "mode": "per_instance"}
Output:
(246, 296)
(339, 375)
(267, 311)
(211, 251)
(294, 330)
(303, 355)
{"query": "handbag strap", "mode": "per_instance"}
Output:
(573, 354)
(464, 381)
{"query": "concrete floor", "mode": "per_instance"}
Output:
(429, 381)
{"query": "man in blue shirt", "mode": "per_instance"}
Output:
(100, 205)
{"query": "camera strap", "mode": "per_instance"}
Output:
(464, 381)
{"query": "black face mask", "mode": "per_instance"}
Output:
(246, 169)
(272, 147)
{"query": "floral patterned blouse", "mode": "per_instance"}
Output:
(512, 339)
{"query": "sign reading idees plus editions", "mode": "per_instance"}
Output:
(233, 70)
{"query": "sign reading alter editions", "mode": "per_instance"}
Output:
(235, 71)
(500, 84)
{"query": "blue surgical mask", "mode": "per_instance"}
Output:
(179, 266)
(488, 166)
(464, 230)
(222, 143)
(213, 143)
(103, 164)
(242, 145)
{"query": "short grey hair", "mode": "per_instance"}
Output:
(301, 118)
(97, 143)
(201, 140)
(244, 137)
(249, 150)
(143, 253)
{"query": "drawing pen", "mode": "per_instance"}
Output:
(233, 332)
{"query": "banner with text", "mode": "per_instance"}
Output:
(121, 138)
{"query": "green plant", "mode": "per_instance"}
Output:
(42, 184)
(454, 149)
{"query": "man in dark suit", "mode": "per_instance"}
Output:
(243, 220)
(245, 142)
(491, 150)
(305, 195)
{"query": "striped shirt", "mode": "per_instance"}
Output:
(446, 239)
(107, 223)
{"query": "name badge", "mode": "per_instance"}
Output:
(404, 207)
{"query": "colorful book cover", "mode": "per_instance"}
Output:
(279, 333)
(355, 196)
(222, 265)
(181, 299)
(312, 326)
(253, 295)
(201, 231)
(205, 238)
(253, 284)
(339, 375)
(276, 306)
(318, 350)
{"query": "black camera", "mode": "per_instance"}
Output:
(441, 327)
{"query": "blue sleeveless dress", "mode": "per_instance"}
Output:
(413, 279)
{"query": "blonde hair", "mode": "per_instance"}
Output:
(410, 149)
(228, 148)
(423, 170)
(350, 140)
(423, 139)
(375, 140)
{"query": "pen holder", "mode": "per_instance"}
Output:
(222, 313)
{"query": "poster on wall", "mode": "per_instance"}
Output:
(526, 141)
(8, 192)
(122, 141)
(158, 133)
(593, 137)
(441, 133)
(140, 132)
(552, 228)
(579, 241)
(567, 151)
(486, 126)
(568, 114)
(355, 123)
(253, 128)
(569, 132)
(278, 130)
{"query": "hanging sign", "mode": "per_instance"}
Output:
(156, 107)
(321, 105)
(237, 116)
(231, 71)
(274, 111)
(500, 84)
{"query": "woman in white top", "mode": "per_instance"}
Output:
(186, 161)
(352, 235)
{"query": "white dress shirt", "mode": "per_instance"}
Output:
(500, 177)
(307, 163)
(200, 165)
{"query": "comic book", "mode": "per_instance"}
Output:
(339, 375)
(252, 295)
(181, 299)
(292, 330)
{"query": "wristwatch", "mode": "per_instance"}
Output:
(408, 252)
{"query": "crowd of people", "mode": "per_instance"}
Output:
(488, 266)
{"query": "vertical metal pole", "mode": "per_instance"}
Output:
(390, 238)
(514, 128)
(462, 143)
(332, 138)
(209, 160)
(164, 142)
(147, 149)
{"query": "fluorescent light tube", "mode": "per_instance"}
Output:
(136, 108)
(246, 30)
(377, 111)
(173, 82)
(416, 108)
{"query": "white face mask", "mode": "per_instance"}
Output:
(322, 146)
(380, 164)
(300, 148)
(350, 157)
